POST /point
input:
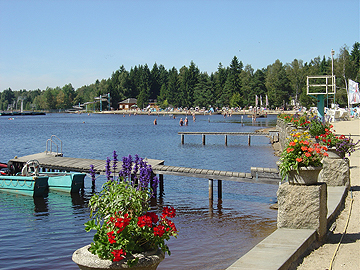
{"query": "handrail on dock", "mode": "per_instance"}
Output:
(51, 142)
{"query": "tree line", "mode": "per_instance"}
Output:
(233, 86)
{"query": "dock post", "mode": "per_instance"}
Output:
(225, 139)
(249, 139)
(182, 138)
(161, 184)
(203, 139)
(219, 189)
(211, 186)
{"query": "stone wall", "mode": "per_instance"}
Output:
(284, 131)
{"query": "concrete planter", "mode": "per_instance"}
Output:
(305, 176)
(88, 261)
(303, 207)
(335, 172)
(334, 154)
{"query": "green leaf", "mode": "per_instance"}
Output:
(90, 225)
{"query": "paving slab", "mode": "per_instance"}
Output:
(284, 246)
(275, 250)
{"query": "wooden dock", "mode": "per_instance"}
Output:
(273, 134)
(54, 161)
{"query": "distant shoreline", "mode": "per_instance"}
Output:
(132, 112)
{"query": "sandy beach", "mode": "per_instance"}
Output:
(346, 228)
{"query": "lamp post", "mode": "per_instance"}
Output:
(332, 73)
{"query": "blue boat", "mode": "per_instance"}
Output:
(62, 181)
(35, 186)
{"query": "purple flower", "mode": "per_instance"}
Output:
(155, 184)
(92, 174)
(125, 172)
(115, 160)
(107, 169)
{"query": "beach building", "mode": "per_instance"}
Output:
(127, 103)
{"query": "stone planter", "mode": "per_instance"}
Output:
(303, 207)
(88, 261)
(335, 172)
(334, 154)
(305, 176)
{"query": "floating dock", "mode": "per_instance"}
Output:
(21, 113)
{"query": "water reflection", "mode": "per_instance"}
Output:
(41, 206)
(218, 209)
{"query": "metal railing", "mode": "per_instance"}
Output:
(50, 142)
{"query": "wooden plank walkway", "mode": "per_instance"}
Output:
(257, 175)
(273, 134)
(52, 161)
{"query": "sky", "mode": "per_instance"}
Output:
(50, 43)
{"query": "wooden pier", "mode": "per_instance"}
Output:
(273, 134)
(53, 161)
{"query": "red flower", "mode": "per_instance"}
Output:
(316, 137)
(144, 221)
(148, 219)
(168, 212)
(153, 216)
(292, 143)
(310, 149)
(159, 230)
(118, 255)
(121, 223)
(307, 154)
(299, 159)
(326, 154)
(304, 148)
(111, 237)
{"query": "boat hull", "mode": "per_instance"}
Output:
(66, 182)
(35, 186)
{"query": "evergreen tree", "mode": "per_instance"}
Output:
(247, 93)
(219, 79)
(296, 76)
(203, 92)
(232, 83)
(355, 59)
(277, 84)
(173, 88)
(143, 86)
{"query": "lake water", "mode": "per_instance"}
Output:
(43, 233)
